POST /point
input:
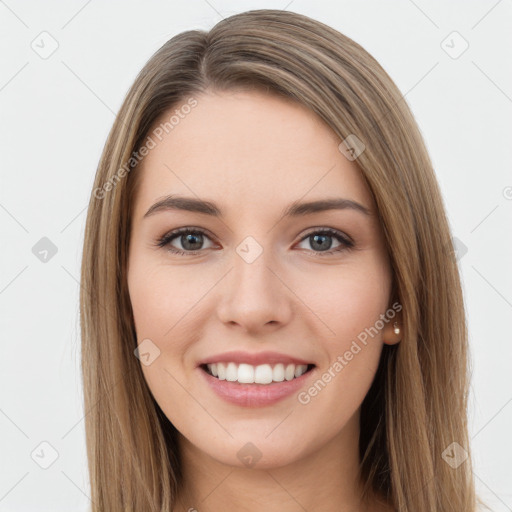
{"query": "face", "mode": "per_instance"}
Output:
(252, 290)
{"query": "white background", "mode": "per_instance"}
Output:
(54, 119)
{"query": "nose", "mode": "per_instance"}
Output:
(253, 296)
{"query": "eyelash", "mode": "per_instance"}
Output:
(165, 240)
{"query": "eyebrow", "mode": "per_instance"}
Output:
(295, 209)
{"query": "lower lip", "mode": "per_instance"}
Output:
(255, 395)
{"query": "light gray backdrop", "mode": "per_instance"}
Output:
(65, 68)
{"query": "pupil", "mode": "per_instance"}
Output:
(323, 246)
(190, 238)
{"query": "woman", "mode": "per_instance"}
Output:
(308, 351)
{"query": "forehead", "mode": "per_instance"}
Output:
(247, 149)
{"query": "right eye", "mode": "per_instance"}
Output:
(190, 239)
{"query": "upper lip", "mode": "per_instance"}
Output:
(255, 358)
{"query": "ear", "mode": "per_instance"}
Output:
(393, 330)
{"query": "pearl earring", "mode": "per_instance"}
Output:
(396, 329)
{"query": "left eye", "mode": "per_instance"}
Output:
(322, 240)
(192, 239)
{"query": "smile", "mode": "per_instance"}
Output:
(260, 374)
(246, 385)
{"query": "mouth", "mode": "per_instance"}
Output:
(262, 374)
(250, 379)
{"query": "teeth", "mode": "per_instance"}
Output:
(289, 373)
(231, 372)
(278, 373)
(261, 374)
(245, 374)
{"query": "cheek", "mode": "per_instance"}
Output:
(348, 300)
(169, 310)
(351, 306)
(161, 297)
(350, 303)
(165, 312)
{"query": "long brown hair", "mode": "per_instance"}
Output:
(416, 407)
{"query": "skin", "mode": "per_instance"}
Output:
(253, 154)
